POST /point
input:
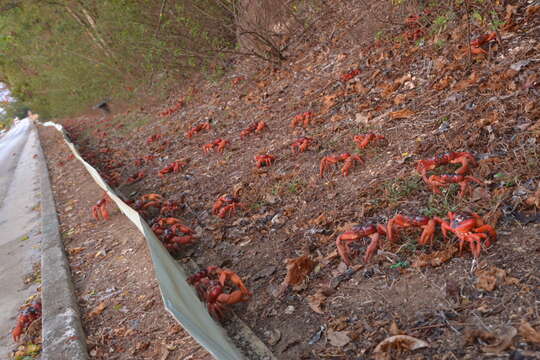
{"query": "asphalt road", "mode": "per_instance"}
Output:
(19, 224)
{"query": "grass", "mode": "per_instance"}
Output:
(440, 205)
(397, 190)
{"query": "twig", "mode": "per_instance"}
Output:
(158, 28)
(469, 56)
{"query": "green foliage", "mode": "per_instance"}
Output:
(397, 190)
(65, 56)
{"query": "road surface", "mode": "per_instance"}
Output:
(20, 224)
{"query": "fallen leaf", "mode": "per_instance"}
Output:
(472, 334)
(436, 258)
(401, 114)
(338, 338)
(394, 329)
(489, 279)
(297, 269)
(97, 310)
(529, 333)
(504, 340)
(316, 301)
(76, 250)
(397, 342)
(443, 83)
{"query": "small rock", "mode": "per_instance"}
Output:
(289, 310)
(279, 220)
(273, 336)
(271, 199)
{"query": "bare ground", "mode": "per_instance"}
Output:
(119, 299)
(426, 98)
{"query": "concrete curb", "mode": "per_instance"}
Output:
(63, 335)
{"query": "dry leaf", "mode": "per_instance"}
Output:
(443, 83)
(319, 220)
(504, 340)
(76, 250)
(316, 301)
(400, 99)
(394, 329)
(97, 310)
(529, 333)
(328, 102)
(397, 342)
(401, 114)
(297, 269)
(338, 338)
(436, 258)
(489, 279)
(472, 334)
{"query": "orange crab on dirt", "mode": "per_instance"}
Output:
(226, 205)
(349, 75)
(347, 158)
(401, 221)
(303, 119)
(212, 285)
(264, 160)
(476, 45)
(196, 129)
(29, 314)
(362, 141)
(437, 181)
(469, 227)
(301, 144)
(218, 144)
(173, 167)
(464, 158)
(254, 127)
(101, 208)
(359, 232)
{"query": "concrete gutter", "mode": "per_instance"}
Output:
(63, 335)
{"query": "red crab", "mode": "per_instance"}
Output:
(347, 158)
(436, 181)
(358, 232)
(264, 160)
(172, 232)
(194, 130)
(173, 167)
(402, 221)
(101, 208)
(349, 75)
(153, 138)
(476, 45)
(174, 108)
(148, 202)
(135, 177)
(469, 227)
(226, 205)
(211, 285)
(254, 127)
(362, 141)
(219, 144)
(303, 119)
(466, 160)
(301, 144)
(26, 317)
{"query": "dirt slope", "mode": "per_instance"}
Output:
(419, 90)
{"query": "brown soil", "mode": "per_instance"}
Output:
(119, 299)
(486, 107)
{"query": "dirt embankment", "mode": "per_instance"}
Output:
(119, 299)
(413, 84)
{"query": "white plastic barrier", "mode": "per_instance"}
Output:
(179, 297)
